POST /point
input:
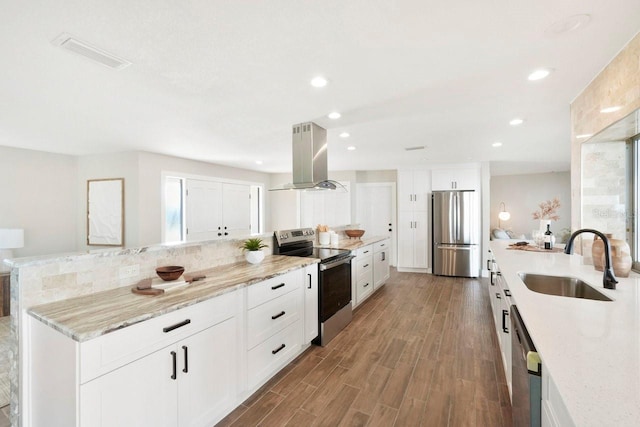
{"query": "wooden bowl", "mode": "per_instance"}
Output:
(354, 233)
(170, 272)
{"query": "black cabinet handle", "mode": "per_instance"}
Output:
(488, 266)
(310, 281)
(365, 252)
(278, 349)
(498, 296)
(186, 359)
(384, 256)
(505, 313)
(176, 326)
(219, 234)
(492, 274)
(507, 292)
(174, 374)
(275, 316)
(365, 266)
(277, 286)
(225, 233)
(365, 285)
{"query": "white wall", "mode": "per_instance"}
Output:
(39, 195)
(523, 193)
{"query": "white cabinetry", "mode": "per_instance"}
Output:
(310, 303)
(325, 207)
(414, 199)
(413, 232)
(275, 325)
(414, 188)
(381, 251)
(501, 306)
(455, 179)
(166, 371)
(217, 209)
(364, 273)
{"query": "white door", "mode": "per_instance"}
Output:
(203, 209)
(420, 239)
(236, 210)
(376, 211)
(208, 388)
(142, 393)
(405, 239)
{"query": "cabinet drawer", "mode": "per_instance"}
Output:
(272, 288)
(363, 265)
(272, 316)
(364, 251)
(364, 285)
(110, 351)
(269, 356)
(381, 246)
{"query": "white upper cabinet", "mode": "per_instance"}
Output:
(330, 207)
(217, 209)
(455, 179)
(414, 187)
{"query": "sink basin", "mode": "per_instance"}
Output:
(561, 286)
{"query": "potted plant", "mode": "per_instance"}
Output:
(252, 250)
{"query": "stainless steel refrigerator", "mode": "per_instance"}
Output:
(455, 225)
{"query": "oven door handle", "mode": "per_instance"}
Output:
(333, 264)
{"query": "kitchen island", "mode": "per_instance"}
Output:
(590, 349)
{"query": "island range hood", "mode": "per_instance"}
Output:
(310, 159)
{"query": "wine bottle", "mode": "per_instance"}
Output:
(548, 241)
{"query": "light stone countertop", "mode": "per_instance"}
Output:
(352, 244)
(591, 349)
(90, 316)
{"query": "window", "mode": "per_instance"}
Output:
(174, 209)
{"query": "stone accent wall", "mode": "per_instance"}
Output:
(617, 84)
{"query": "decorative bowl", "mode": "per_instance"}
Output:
(170, 272)
(354, 233)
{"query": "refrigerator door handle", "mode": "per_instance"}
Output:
(455, 248)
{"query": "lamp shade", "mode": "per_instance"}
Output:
(504, 216)
(11, 238)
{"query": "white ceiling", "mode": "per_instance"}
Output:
(224, 81)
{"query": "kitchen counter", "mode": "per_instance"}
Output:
(591, 349)
(86, 317)
(352, 244)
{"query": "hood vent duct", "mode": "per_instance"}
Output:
(310, 170)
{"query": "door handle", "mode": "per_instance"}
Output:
(174, 364)
(505, 313)
(383, 256)
(275, 316)
(176, 326)
(186, 359)
(278, 349)
(498, 296)
(309, 287)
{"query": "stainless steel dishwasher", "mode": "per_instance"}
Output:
(526, 371)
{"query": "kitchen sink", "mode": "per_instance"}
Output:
(561, 286)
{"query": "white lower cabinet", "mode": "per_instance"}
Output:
(311, 321)
(412, 240)
(381, 251)
(500, 296)
(189, 367)
(191, 383)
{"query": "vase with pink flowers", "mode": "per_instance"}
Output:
(547, 212)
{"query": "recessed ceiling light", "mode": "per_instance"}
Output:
(319, 81)
(334, 115)
(584, 135)
(79, 47)
(351, 148)
(611, 109)
(539, 74)
(258, 162)
(344, 135)
(497, 144)
(516, 122)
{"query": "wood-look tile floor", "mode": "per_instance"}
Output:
(421, 351)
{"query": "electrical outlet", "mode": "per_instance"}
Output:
(129, 271)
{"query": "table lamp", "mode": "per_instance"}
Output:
(10, 238)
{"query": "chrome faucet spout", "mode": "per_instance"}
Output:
(609, 279)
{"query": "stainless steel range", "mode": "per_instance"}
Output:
(334, 279)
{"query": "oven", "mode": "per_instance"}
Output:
(334, 279)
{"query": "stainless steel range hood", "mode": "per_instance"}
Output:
(310, 159)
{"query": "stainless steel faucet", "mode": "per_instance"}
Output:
(609, 279)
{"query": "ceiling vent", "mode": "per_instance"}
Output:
(68, 42)
(421, 147)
